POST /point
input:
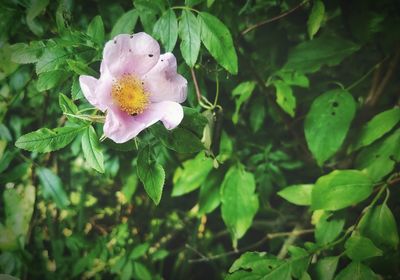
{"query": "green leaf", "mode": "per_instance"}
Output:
(241, 93)
(218, 41)
(139, 251)
(192, 174)
(91, 149)
(96, 30)
(193, 121)
(328, 229)
(52, 187)
(151, 174)
(359, 248)
(299, 261)
(325, 268)
(377, 127)
(379, 225)
(23, 53)
(51, 79)
(379, 159)
(257, 114)
(297, 194)
(125, 24)
(239, 202)
(45, 140)
(294, 78)
(331, 111)
(285, 98)
(310, 56)
(80, 68)
(356, 271)
(189, 32)
(340, 189)
(210, 197)
(51, 59)
(166, 29)
(66, 104)
(35, 8)
(179, 139)
(76, 92)
(315, 18)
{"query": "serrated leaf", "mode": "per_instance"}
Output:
(51, 79)
(76, 92)
(340, 189)
(377, 127)
(151, 174)
(192, 174)
(91, 149)
(23, 53)
(52, 187)
(310, 56)
(359, 248)
(297, 194)
(51, 59)
(239, 202)
(66, 104)
(379, 224)
(166, 29)
(189, 32)
(80, 68)
(331, 111)
(315, 18)
(218, 41)
(125, 24)
(45, 140)
(285, 98)
(96, 30)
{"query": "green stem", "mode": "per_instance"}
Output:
(360, 80)
(216, 91)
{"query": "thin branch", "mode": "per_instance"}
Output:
(196, 85)
(250, 28)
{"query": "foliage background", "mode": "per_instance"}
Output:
(289, 146)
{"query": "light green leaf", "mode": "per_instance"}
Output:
(151, 174)
(356, 271)
(45, 140)
(299, 261)
(297, 194)
(80, 68)
(379, 225)
(310, 56)
(125, 24)
(139, 251)
(254, 265)
(218, 41)
(377, 127)
(66, 104)
(91, 149)
(96, 30)
(192, 174)
(379, 159)
(326, 267)
(241, 93)
(359, 248)
(239, 202)
(285, 98)
(315, 18)
(189, 32)
(52, 187)
(294, 78)
(328, 229)
(51, 59)
(51, 79)
(210, 197)
(166, 29)
(330, 112)
(340, 189)
(24, 53)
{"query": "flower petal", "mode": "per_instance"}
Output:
(164, 83)
(131, 54)
(88, 86)
(170, 113)
(121, 127)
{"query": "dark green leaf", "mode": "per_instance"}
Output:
(24, 53)
(51, 59)
(241, 93)
(340, 189)
(356, 271)
(359, 248)
(51, 79)
(332, 111)
(91, 149)
(166, 29)
(218, 41)
(209, 197)
(96, 30)
(34, 9)
(52, 187)
(151, 174)
(80, 68)
(193, 121)
(315, 18)
(66, 104)
(189, 32)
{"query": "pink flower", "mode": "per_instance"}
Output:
(137, 87)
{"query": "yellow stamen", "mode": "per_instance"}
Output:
(129, 94)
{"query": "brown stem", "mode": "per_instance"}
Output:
(196, 85)
(250, 28)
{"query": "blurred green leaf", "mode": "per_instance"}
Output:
(51, 79)
(241, 93)
(210, 193)
(285, 98)
(52, 187)
(26, 53)
(315, 18)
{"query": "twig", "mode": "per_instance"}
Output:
(196, 85)
(250, 28)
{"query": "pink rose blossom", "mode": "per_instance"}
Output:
(137, 87)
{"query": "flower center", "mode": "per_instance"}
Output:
(128, 93)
